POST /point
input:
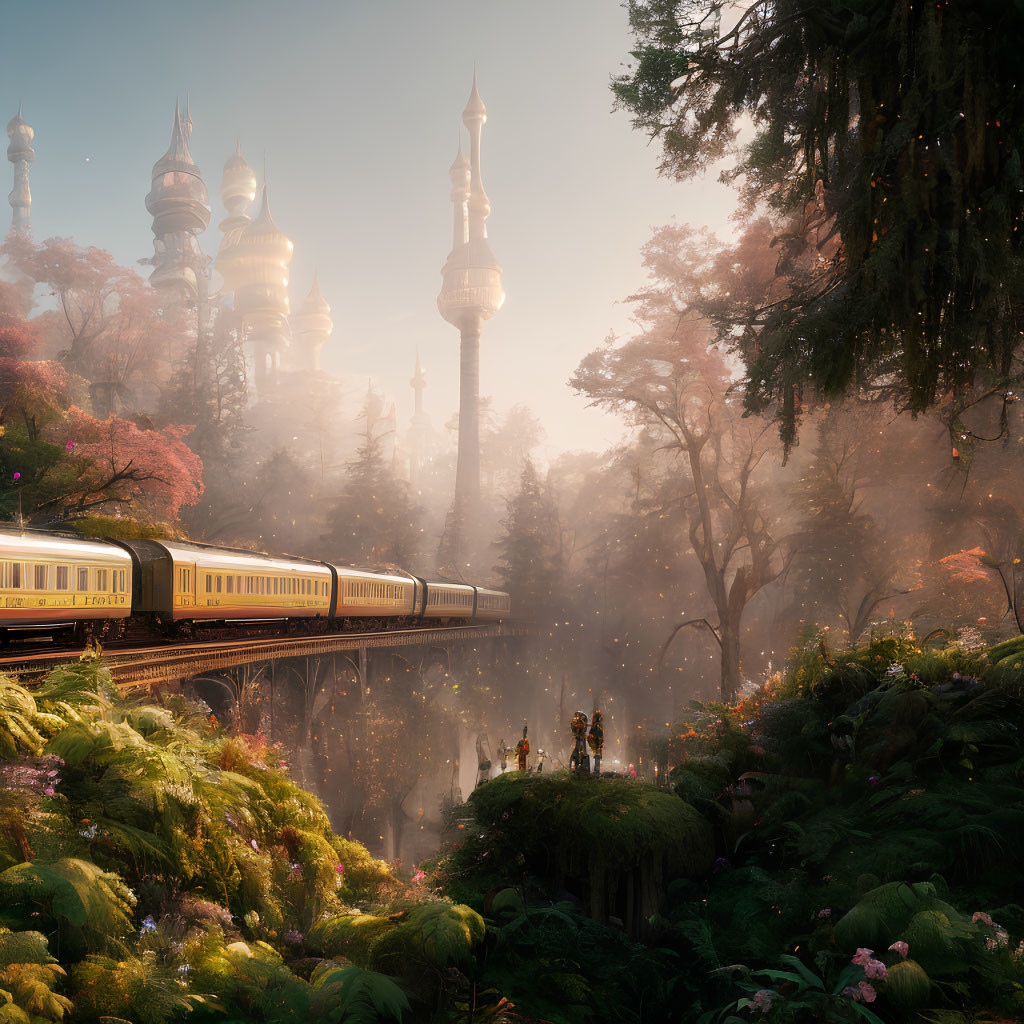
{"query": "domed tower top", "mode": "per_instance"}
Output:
(178, 199)
(267, 249)
(475, 109)
(21, 136)
(312, 325)
(471, 285)
(237, 191)
(238, 184)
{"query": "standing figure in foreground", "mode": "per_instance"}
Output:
(522, 751)
(580, 760)
(595, 739)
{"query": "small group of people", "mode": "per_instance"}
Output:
(580, 759)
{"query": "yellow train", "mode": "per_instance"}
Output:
(53, 581)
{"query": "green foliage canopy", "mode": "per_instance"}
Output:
(888, 139)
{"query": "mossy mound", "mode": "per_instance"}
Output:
(562, 827)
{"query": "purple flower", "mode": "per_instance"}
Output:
(148, 925)
(293, 937)
(824, 914)
(720, 865)
(873, 779)
(875, 969)
(762, 999)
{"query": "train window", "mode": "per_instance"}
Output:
(231, 584)
(62, 577)
(40, 577)
(124, 586)
(101, 580)
(219, 579)
(209, 582)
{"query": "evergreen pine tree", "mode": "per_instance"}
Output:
(374, 521)
(529, 550)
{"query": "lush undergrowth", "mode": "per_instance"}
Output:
(842, 845)
(866, 813)
(155, 869)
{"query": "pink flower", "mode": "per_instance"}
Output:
(252, 843)
(901, 948)
(862, 956)
(982, 917)
(852, 993)
(49, 791)
(419, 876)
(823, 914)
(340, 868)
(867, 991)
(70, 445)
(17, 476)
(875, 969)
(762, 999)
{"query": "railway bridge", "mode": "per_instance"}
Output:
(319, 696)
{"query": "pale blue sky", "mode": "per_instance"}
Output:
(356, 105)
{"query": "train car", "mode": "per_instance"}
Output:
(491, 605)
(58, 581)
(449, 600)
(178, 581)
(361, 593)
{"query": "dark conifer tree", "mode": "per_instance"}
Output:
(374, 521)
(529, 549)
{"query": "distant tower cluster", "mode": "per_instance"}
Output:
(471, 292)
(180, 207)
(253, 258)
(21, 154)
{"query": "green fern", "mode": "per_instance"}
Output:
(355, 996)
(75, 892)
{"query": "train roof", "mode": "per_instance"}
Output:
(233, 559)
(355, 572)
(47, 544)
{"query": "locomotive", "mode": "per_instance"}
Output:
(57, 582)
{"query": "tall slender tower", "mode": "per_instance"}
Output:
(21, 154)
(180, 206)
(237, 192)
(471, 292)
(263, 253)
(420, 423)
(312, 326)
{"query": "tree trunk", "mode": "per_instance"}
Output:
(730, 663)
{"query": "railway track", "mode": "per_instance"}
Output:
(140, 667)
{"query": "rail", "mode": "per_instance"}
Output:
(144, 667)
